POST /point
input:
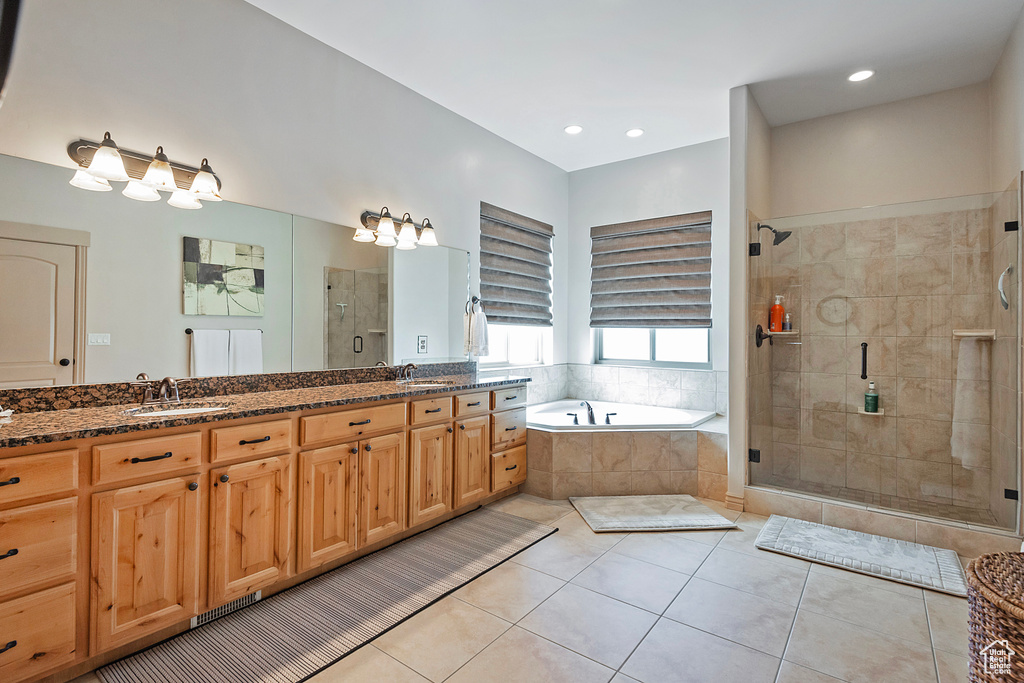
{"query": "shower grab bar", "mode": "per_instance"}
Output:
(863, 360)
(1002, 292)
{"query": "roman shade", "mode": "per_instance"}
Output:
(515, 267)
(652, 273)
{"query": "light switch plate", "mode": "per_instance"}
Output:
(421, 343)
(96, 339)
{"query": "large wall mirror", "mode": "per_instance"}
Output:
(111, 285)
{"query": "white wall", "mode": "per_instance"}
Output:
(287, 122)
(921, 148)
(134, 274)
(1007, 111)
(694, 178)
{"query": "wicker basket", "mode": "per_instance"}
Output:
(995, 597)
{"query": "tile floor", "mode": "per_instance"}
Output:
(700, 606)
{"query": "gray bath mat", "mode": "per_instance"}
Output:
(292, 635)
(648, 513)
(886, 558)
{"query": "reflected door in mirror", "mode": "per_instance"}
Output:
(37, 313)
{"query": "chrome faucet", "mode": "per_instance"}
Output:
(405, 371)
(590, 413)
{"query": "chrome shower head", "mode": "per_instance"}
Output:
(780, 235)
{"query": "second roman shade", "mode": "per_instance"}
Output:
(652, 273)
(515, 267)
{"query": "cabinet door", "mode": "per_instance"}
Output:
(381, 487)
(328, 497)
(145, 559)
(250, 535)
(472, 461)
(430, 472)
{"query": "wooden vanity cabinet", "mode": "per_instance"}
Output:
(382, 492)
(431, 461)
(328, 499)
(250, 527)
(145, 559)
(472, 460)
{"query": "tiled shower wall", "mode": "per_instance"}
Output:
(902, 285)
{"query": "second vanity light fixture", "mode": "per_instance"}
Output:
(100, 163)
(379, 228)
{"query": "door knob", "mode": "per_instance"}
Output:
(64, 362)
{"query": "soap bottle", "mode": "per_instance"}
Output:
(776, 315)
(871, 399)
(787, 324)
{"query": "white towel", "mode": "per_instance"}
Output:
(478, 335)
(467, 325)
(209, 353)
(245, 351)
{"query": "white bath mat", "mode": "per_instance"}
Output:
(648, 513)
(886, 558)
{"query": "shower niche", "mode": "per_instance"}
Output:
(933, 289)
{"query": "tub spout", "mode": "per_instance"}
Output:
(590, 413)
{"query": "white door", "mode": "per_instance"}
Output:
(37, 313)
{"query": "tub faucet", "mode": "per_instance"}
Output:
(590, 413)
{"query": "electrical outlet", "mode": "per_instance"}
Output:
(99, 339)
(421, 343)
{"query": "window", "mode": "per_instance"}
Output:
(664, 346)
(516, 345)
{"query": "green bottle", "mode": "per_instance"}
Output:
(871, 399)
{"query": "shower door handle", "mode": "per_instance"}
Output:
(1002, 292)
(355, 348)
(863, 360)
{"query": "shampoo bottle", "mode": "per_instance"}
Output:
(776, 315)
(871, 399)
(787, 324)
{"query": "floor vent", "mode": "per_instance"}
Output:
(233, 606)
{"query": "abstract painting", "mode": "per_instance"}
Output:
(222, 278)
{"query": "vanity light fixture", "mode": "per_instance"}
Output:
(634, 132)
(379, 228)
(147, 176)
(861, 76)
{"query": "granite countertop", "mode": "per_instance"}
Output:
(78, 423)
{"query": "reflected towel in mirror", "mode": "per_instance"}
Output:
(209, 353)
(245, 352)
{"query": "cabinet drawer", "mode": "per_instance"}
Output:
(508, 429)
(351, 424)
(37, 544)
(32, 476)
(431, 410)
(471, 404)
(509, 398)
(42, 628)
(133, 459)
(258, 439)
(508, 468)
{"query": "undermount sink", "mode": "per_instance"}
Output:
(174, 409)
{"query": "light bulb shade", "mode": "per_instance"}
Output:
(160, 175)
(405, 246)
(427, 236)
(204, 185)
(87, 181)
(136, 189)
(107, 163)
(407, 234)
(184, 200)
(385, 240)
(363, 235)
(386, 226)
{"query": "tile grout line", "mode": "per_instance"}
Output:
(931, 638)
(792, 627)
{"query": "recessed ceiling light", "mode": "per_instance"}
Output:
(634, 132)
(574, 130)
(861, 75)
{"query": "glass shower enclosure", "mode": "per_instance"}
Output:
(923, 299)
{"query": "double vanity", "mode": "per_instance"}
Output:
(121, 525)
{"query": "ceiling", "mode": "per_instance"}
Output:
(525, 69)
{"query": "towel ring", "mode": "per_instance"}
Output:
(471, 304)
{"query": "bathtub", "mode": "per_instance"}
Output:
(554, 417)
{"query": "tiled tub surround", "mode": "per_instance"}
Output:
(902, 285)
(616, 463)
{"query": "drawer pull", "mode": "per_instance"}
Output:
(246, 443)
(435, 410)
(11, 481)
(507, 469)
(511, 429)
(511, 398)
(473, 404)
(10, 553)
(8, 646)
(193, 486)
(355, 424)
(152, 458)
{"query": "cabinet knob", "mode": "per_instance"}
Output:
(355, 450)
(193, 486)
(224, 477)
(450, 430)
(463, 427)
(367, 446)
